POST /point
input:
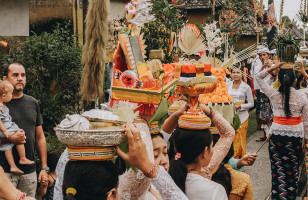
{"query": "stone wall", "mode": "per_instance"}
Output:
(14, 17)
(44, 10)
(50, 3)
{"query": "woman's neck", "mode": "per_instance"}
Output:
(193, 168)
(237, 82)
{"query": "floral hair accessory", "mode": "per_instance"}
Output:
(130, 8)
(71, 190)
(178, 156)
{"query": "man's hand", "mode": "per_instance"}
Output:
(42, 174)
(18, 137)
(44, 181)
(247, 160)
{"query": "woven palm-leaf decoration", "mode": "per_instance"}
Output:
(190, 42)
(287, 48)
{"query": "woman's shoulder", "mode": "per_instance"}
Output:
(193, 180)
(199, 187)
(245, 85)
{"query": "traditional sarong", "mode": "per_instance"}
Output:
(266, 113)
(239, 142)
(285, 155)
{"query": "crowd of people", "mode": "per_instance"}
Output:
(200, 165)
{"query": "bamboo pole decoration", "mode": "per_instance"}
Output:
(305, 8)
(281, 11)
(94, 50)
(213, 9)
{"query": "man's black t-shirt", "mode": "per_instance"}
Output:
(25, 112)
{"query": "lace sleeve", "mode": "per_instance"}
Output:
(264, 85)
(166, 186)
(133, 185)
(60, 175)
(222, 146)
(305, 118)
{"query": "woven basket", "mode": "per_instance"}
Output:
(91, 138)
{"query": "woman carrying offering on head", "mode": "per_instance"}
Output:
(197, 160)
(290, 108)
(243, 99)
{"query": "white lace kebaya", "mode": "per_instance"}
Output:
(298, 107)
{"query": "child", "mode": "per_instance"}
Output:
(47, 184)
(7, 128)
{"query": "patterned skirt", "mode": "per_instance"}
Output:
(285, 153)
(266, 113)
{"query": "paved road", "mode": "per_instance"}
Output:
(260, 172)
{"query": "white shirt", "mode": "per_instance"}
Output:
(198, 187)
(255, 68)
(240, 95)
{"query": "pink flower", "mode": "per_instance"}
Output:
(245, 7)
(130, 8)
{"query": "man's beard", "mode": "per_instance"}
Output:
(19, 89)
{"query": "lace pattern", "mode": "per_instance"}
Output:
(222, 146)
(135, 185)
(298, 107)
(166, 186)
(60, 175)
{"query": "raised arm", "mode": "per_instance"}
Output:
(222, 146)
(264, 85)
(137, 156)
(134, 184)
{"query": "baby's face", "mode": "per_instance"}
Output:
(7, 97)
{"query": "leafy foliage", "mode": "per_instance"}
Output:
(234, 33)
(169, 18)
(53, 67)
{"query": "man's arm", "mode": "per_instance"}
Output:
(42, 149)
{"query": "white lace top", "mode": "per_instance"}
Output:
(57, 194)
(298, 107)
(167, 188)
(240, 95)
(305, 91)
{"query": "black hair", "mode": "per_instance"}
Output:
(222, 175)
(6, 69)
(157, 135)
(286, 78)
(91, 179)
(190, 143)
(299, 82)
(52, 159)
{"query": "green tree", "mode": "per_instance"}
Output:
(53, 67)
